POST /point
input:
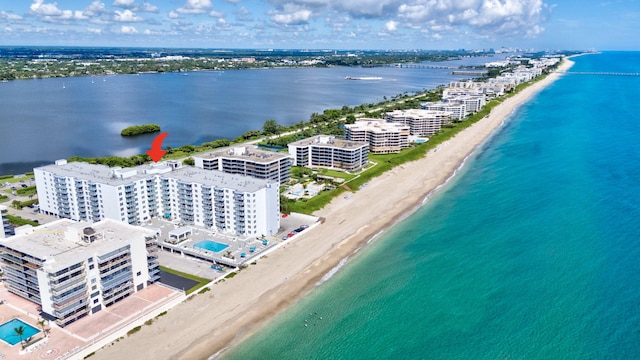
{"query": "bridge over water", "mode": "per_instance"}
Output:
(413, 66)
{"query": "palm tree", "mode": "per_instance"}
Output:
(20, 332)
(42, 323)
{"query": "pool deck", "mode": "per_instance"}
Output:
(64, 343)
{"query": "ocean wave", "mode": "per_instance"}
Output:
(333, 271)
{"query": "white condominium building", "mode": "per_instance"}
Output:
(249, 161)
(472, 103)
(383, 137)
(421, 122)
(77, 269)
(6, 229)
(457, 109)
(230, 203)
(327, 151)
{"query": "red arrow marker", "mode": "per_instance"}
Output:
(156, 153)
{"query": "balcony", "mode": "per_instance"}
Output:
(111, 282)
(63, 285)
(61, 303)
(64, 312)
(108, 270)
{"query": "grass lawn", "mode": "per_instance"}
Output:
(336, 174)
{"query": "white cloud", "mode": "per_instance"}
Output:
(147, 7)
(72, 15)
(9, 16)
(291, 15)
(128, 29)
(126, 16)
(94, 30)
(41, 9)
(96, 8)
(195, 7)
(295, 18)
(125, 4)
(216, 14)
(497, 17)
(173, 15)
(391, 25)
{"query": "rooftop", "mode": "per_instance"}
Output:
(116, 176)
(65, 242)
(220, 179)
(376, 125)
(252, 153)
(418, 113)
(330, 141)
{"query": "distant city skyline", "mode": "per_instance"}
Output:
(323, 24)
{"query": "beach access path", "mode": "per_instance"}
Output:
(238, 307)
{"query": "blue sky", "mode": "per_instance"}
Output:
(324, 24)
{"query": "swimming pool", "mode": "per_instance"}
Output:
(8, 333)
(211, 245)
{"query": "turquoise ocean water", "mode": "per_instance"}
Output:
(531, 252)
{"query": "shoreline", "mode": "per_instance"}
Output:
(217, 321)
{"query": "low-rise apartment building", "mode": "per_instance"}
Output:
(383, 137)
(458, 109)
(76, 269)
(421, 122)
(330, 152)
(248, 161)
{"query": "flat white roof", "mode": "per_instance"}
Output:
(59, 243)
(330, 141)
(103, 174)
(251, 153)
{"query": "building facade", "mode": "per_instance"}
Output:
(458, 109)
(6, 229)
(327, 151)
(76, 269)
(248, 161)
(233, 204)
(421, 122)
(383, 137)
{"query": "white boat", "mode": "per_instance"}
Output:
(362, 78)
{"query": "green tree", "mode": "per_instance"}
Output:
(16, 204)
(350, 119)
(271, 127)
(19, 331)
(42, 323)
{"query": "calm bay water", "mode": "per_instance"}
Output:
(530, 253)
(44, 120)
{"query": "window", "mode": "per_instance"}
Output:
(139, 273)
(93, 281)
(91, 266)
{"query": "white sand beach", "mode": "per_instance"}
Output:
(236, 308)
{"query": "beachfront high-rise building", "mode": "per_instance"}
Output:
(234, 204)
(383, 137)
(421, 122)
(76, 269)
(327, 151)
(249, 161)
(6, 229)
